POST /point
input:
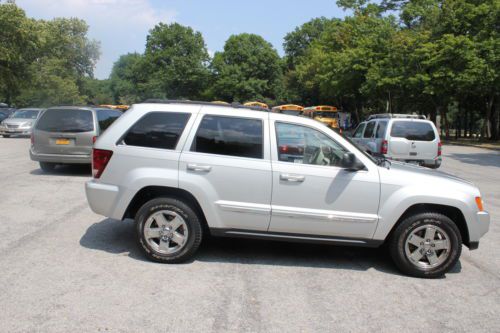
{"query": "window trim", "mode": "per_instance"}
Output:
(190, 145)
(120, 141)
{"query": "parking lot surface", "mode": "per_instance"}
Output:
(64, 268)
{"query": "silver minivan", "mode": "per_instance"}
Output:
(401, 137)
(66, 134)
(20, 122)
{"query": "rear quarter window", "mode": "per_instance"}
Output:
(66, 120)
(413, 130)
(157, 130)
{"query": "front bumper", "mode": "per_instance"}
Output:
(15, 131)
(482, 227)
(60, 158)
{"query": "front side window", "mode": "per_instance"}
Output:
(66, 121)
(413, 130)
(305, 145)
(231, 136)
(359, 131)
(369, 130)
(157, 130)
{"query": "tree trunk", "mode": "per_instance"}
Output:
(495, 121)
(486, 132)
(444, 120)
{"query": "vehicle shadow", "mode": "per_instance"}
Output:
(118, 237)
(79, 170)
(483, 159)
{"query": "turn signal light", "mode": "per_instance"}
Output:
(479, 203)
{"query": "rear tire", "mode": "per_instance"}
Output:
(47, 167)
(426, 245)
(6, 136)
(168, 230)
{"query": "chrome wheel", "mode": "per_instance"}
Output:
(166, 232)
(427, 246)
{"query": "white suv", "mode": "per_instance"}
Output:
(401, 137)
(184, 169)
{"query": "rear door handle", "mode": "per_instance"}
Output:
(292, 178)
(198, 167)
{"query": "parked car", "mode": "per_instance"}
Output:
(179, 168)
(20, 122)
(8, 111)
(3, 116)
(401, 137)
(65, 135)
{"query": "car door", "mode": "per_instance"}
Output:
(227, 166)
(312, 194)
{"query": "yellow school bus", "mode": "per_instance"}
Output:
(255, 103)
(220, 102)
(115, 107)
(326, 114)
(292, 109)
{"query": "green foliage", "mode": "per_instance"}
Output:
(249, 68)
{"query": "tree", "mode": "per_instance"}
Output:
(249, 68)
(128, 78)
(177, 62)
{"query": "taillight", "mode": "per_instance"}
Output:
(100, 159)
(383, 148)
(440, 148)
(32, 138)
(283, 149)
(94, 138)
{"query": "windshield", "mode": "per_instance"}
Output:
(327, 114)
(25, 114)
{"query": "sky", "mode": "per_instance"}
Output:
(121, 26)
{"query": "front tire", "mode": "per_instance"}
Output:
(426, 245)
(168, 230)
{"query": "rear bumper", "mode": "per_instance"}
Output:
(101, 197)
(60, 158)
(430, 163)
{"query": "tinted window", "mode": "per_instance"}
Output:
(66, 120)
(382, 125)
(304, 145)
(413, 130)
(369, 130)
(157, 130)
(359, 130)
(106, 117)
(229, 136)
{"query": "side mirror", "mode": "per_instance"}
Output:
(350, 162)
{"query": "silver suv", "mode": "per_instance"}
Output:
(182, 169)
(401, 137)
(65, 135)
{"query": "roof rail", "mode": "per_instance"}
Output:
(232, 105)
(396, 115)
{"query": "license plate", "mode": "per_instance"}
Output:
(62, 142)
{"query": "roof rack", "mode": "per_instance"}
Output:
(396, 115)
(232, 105)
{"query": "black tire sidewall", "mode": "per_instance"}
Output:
(402, 232)
(187, 213)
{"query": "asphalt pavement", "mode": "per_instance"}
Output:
(64, 268)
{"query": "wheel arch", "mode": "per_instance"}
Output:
(151, 192)
(454, 213)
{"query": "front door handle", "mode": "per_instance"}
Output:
(292, 178)
(198, 167)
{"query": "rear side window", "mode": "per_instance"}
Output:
(66, 120)
(157, 130)
(229, 136)
(359, 131)
(369, 130)
(413, 130)
(106, 117)
(380, 133)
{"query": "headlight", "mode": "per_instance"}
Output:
(27, 124)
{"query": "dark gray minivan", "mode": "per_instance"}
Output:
(66, 134)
